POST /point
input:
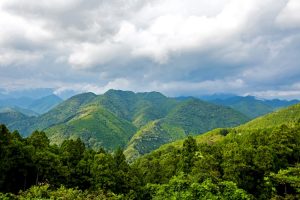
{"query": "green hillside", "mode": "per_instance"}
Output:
(151, 137)
(9, 115)
(24, 111)
(288, 116)
(107, 120)
(139, 108)
(96, 127)
(282, 116)
(196, 116)
(139, 121)
(266, 148)
(189, 117)
(258, 160)
(113, 118)
(57, 115)
(249, 106)
(263, 162)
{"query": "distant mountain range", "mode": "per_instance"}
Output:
(30, 106)
(137, 122)
(248, 105)
(252, 107)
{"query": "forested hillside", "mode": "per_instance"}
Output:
(221, 164)
(282, 116)
(251, 106)
(190, 117)
(123, 118)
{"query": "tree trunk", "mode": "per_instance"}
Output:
(25, 182)
(37, 177)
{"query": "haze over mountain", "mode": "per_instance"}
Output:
(29, 105)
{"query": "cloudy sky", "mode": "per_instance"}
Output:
(177, 47)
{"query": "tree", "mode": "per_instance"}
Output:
(287, 181)
(188, 154)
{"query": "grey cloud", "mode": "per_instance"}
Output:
(176, 47)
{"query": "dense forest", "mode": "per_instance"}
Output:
(243, 164)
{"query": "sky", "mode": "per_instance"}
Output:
(179, 48)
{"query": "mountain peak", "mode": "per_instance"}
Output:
(118, 92)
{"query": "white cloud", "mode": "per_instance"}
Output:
(15, 57)
(174, 46)
(88, 54)
(289, 17)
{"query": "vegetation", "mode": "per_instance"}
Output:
(253, 164)
(8, 115)
(57, 115)
(71, 171)
(189, 117)
(252, 107)
(282, 116)
(221, 164)
(139, 121)
(260, 160)
(96, 127)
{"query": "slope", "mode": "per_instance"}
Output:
(111, 119)
(44, 104)
(282, 116)
(24, 111)
(188, 117)
(288, 116)
(60, 114)
(250, 106)
(9, 115)
(96, 126)
(139, 108)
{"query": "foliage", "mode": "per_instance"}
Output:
(140, 121)
(249, 106)
(231, 163)
(32, 161)
(181, 187)
(256, 161)
(189, 117)
(282, 116)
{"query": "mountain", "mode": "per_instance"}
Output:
(248, 105)
(190, 117)
(221, 96)
(120, 118)
(251, 106)
(8, 115)
(58, 115)
(139, 108)
(24, 111)
(277, 103)
(96, 126)
(277, 118)
(286, 116)
(111, 119)
(39, 105)
(44, 104)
